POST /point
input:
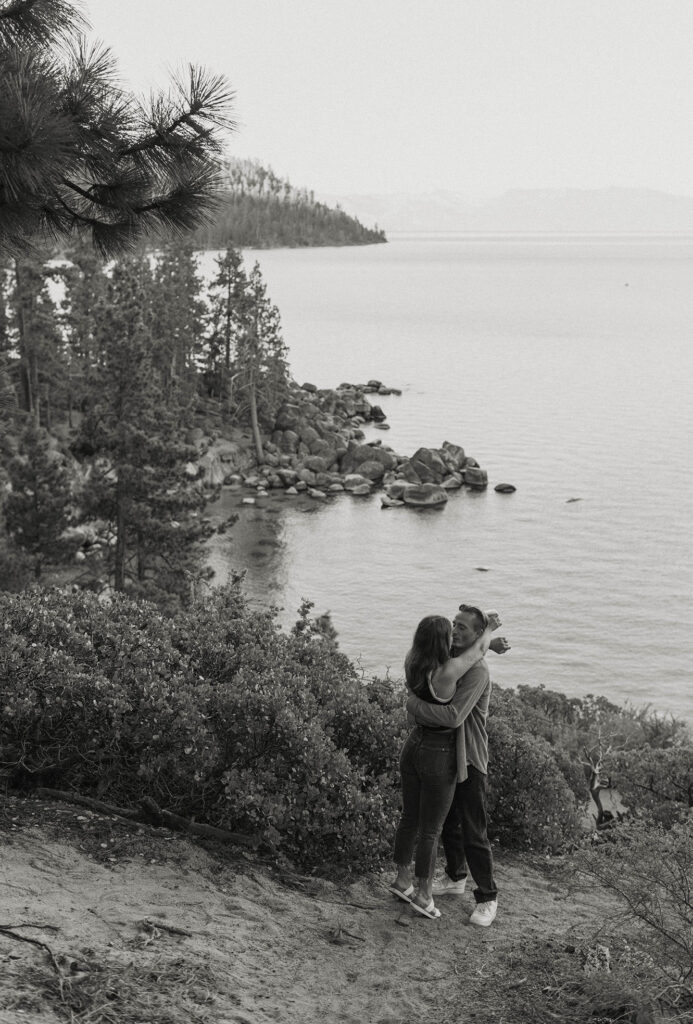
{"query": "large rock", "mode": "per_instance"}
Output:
(454, 456)
(367, 453)
(372, 469)
(396, 489)
(288, 417)
(354, 481)
(476, 478)
(316, 463)
(428, 466)
(452, 482)
(424, 495)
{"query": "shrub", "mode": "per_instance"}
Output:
(650, 870)
(655, 783)
(213, 713)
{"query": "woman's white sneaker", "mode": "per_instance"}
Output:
(485, 913)
(446, 886)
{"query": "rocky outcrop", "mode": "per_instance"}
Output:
(317, 445)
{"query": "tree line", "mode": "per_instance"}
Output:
(104, 370)
(258, 209)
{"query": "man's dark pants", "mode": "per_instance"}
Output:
(464, 836)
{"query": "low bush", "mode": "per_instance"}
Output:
(655, 783)
(650, 870)
(218, 714)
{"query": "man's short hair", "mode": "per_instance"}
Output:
(481, 618)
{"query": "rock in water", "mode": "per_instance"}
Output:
(424, 495)
(505, 488)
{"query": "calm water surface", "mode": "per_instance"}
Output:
(564, 366)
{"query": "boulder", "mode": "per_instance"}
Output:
(396, 490)
(386, 502)
(306, 475)
(313, 492)
(360, 490)
(425, 495)
(377, 414)
(372, 469)
(335, 488)
(310, 387)
(428, 466)
(359, 454)
(381, 426)
(288, 417)
(452, 482)
(353, 480)
(316, 463)
(289, 441)
(453, 455)
(476, 478)
(505, 488)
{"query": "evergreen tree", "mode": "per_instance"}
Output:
(36, 510)
(85, 285)
(261, 373)
(138, 483)
(42, 367)
(79, 153)
(177, 320)
(227, 322)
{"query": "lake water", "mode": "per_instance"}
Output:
(564, 365)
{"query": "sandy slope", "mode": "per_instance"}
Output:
(257, 949)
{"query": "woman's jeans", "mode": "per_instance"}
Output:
(428, 766)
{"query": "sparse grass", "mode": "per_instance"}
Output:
(151, 991)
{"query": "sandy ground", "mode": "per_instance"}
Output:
(185, 933)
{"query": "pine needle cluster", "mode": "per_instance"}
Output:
(78, 153)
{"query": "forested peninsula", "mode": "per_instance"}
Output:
(259, 210)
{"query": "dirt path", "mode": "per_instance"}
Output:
(231, 942)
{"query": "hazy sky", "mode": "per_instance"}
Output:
(476, 96)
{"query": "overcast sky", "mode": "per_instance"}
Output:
(475, 96)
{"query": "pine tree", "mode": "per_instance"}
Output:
(177, 320)
(138, 483)
(227, 322)
(261, 372)
(79, 153)
(36, 510)
(42, 367)
(85, 284)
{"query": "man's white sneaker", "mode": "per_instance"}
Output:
(446, 886)
(484, 914)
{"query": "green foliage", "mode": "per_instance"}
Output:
(650, 871)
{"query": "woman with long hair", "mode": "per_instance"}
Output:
(428, 763)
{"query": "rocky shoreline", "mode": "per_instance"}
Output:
(317, 447)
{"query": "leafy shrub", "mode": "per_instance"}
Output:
(655, 783)
(213, 713)
(650, 870)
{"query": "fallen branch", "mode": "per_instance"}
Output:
(172, 928)
(151, 810)
(9, 931)
(150, 814)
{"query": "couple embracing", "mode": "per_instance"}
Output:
(444, 763)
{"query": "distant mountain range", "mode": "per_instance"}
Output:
(570, 210)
